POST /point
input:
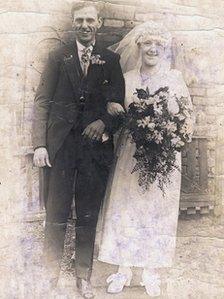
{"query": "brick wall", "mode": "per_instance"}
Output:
(29, 28)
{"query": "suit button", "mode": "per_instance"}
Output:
(82, 100)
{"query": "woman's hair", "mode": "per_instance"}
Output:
(151, 30)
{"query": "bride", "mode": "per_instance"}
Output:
(139, 228)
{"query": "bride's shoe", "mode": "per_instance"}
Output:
(152, 283)
(118, 281)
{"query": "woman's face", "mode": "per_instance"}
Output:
(152, 51)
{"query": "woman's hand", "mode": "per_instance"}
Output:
(114, 109)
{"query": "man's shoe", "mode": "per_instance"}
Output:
(85, 288)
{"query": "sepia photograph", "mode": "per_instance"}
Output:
(112, 149)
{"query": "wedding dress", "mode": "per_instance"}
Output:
(139, 227)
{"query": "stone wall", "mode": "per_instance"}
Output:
(29, 28)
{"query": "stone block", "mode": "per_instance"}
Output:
(144, 17)
(124, 2)
(211, 119)
(14, 22)
(211, 144)
(189, 22)
(208, 131)
(211, 101)
(211, 162)
(28, 114)
(121, 12)
(113, 23)
(131, 24)
(7, 131)
(197, 91)
(152, 6)
(201, 117)
(199, 101)
(214, 110)
(59, 6)
(215, 91)
(23, 23)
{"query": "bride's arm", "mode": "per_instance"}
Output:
(114, 108)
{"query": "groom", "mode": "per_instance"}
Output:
(72, 138)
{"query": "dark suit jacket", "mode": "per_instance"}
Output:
(57, 101)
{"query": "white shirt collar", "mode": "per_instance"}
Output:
(81, 47)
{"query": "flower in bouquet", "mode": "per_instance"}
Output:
(158, 137)
(146, 123)
(177, 142)
(180, 117)
(158, 108)
(171, 126)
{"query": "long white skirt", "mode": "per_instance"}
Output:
(138, 228)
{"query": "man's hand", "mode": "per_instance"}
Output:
(114, 109)
(41, 157)
(95, 130)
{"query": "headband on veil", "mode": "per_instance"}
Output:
(129, 50)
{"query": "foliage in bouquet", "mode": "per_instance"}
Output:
(159, 126)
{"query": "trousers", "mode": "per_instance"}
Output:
(87, 163)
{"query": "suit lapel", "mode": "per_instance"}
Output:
(72, 65)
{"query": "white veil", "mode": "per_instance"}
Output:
(129, 50)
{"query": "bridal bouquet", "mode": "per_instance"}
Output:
(159, 126)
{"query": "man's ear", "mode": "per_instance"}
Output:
(100, 22)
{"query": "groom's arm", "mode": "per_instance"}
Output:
(115, 93)
(116, 90)
(43, 98)
(42, 102)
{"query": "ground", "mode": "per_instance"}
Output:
(198, 271)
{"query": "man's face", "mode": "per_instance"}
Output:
(85, 24)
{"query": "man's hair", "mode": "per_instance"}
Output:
(82, 4)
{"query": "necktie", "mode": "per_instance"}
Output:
(85, 58)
